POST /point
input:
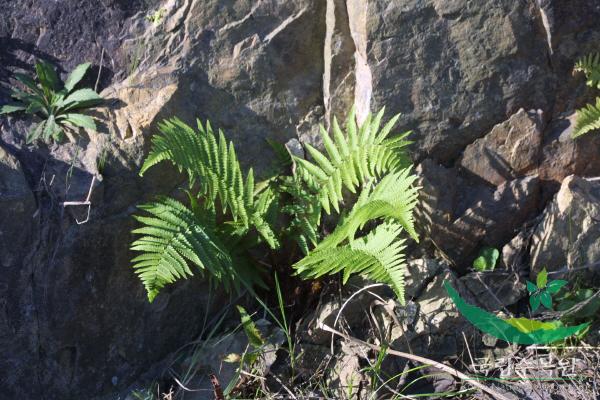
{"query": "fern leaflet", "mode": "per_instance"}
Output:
(588, 119)
(365, 154)
(173, 237)
(590, 66)
(206, 159)
(393, 198)
(379, 256)
(212, 162)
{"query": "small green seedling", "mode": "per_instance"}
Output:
(157, 16)
(541, 292)
(488, 257)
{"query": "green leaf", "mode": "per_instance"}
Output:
(78, 120)
(554, 286)
(76, 75)
(378, 256)
(173, 238)
(546, 299)
(35, 132)
(529, 325)
(351, 162)
(254, 336)
(49, 128)
(36, 106)
(59, 134)
(30, 84)
(488, 257)
(588, 119)
(542, 279)
(507, 331)
(47, 76)
(11, 108)
(82, 98)
(590, 65)
(392, 199)
(534, 301)
(531, 287)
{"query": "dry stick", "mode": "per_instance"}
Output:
(285, 387)
(422, 360)
(87, 202)
(99, 71)
(469, 351)
(348, 301)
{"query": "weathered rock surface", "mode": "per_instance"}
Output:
(572, 31)
(511, 149)
(17, 206)
(17, 224)
(495, 290)
(420, 273)
(451, 88)
(569, 233)
(63, 34)
(563, 156)
(459, 215)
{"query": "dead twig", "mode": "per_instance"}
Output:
(422, 360)
(86, 202)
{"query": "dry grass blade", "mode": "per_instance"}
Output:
(423, 360)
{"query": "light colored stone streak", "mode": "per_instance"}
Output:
(363, 89)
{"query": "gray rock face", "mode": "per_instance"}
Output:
(253, 69)
(572, 31)
(455, 69)
(495, 290)
(17, 206)
(562, 156)
(61, 33)
(569, 233)
(510, 150)
(459, 216)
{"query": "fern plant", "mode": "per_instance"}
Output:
(58, 105)
(588, 117)
(363, 175)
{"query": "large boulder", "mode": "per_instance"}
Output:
(568, 236)
(425, 63)
(510, 150)
(17, 224)
(458, 216)
(17, 206)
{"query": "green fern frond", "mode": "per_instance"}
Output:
(588, 119)
(212, 162)
(173, 238)
(262, 213)
(378, 256)
(393, 199)
(353, 159)
(304, 211)
(590, 66)
(206, 158)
